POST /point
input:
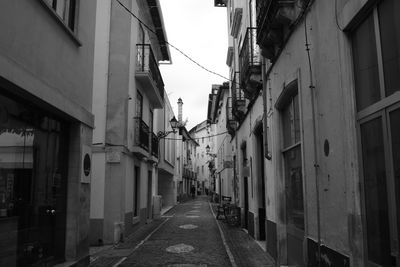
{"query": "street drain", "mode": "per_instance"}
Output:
(180, 248)
(192, 216)
(188, 226)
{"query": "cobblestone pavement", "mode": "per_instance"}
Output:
(187, 235)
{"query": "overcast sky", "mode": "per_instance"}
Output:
(200, 30)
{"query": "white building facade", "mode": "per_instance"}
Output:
(128, 91)
(314, 143)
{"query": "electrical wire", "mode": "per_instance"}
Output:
(198, 138)
(177, 49)
(316, 165)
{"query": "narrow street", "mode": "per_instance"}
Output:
(187, 235)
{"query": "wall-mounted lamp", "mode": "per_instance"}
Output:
(174, 125)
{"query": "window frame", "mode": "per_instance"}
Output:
(73, 33)
(380, 109)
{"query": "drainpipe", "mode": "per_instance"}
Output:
(316, 165)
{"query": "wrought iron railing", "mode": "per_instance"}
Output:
(229, 114)
(262, 11)
(154, 145)
(249, 57)
(147, 63)
(236, 90)
(189, 174)
(142, 134)
(230, 118)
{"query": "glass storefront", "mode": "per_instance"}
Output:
(33, 185)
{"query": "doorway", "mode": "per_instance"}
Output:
(136, 198)
(149, 194)
(245, 173)
(260, 180)
(246, 203)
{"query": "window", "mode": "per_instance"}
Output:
(141, 35)
(151, 117)
(376, 55)
(288, 105)
(139, 105)
(66, 11)
(292, 161)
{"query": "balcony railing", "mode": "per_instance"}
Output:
(272, 17)
(189, 174)
(154, 145)
(230, 119)
(250, 63)
(148, 73)
(142, 135)
(236, 90)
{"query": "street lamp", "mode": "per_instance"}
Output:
(174, 125)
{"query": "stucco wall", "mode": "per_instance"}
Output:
(42, 58)
(337, 171)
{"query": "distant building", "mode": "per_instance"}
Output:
(204, 137)
(46, 122)
(167, 183)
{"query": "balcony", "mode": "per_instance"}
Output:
(250, 65)
(274, 17)
(141, 140)
(149, 76)
(189, 174)
(238, 99)
(231, 123)
(154, 145)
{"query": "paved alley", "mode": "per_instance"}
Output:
(187, 235)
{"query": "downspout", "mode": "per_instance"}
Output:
(316, 165)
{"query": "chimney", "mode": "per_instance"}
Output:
(180, 103)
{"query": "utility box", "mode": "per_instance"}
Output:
(157, 202)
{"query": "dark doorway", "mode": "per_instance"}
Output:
(245, 173)
(136, 197)
(149, 194)
(260, 180)
(246, 203)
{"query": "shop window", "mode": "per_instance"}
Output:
(33, 183)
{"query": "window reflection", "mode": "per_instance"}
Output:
(33, 167)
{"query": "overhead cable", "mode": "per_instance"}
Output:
(177, 49)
